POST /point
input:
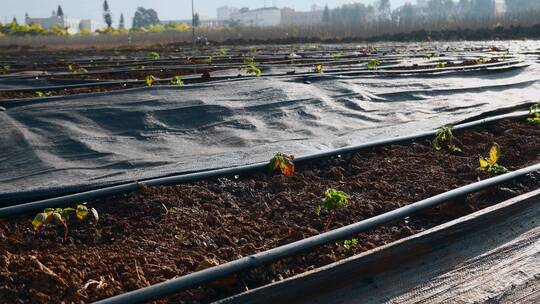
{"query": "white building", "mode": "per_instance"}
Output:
(73, 25)
(91, 25)
(224, 13)
(263, 17)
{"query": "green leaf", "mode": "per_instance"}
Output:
(436, 144)
(349, 244)
(334, 199)
(154, 55)
(177, 80)
(374, 64)
(454, 149)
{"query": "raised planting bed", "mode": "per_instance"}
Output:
(159, 233)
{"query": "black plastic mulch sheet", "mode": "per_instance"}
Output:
(57, 146)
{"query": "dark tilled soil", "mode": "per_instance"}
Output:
(66, 92)
(159, 233)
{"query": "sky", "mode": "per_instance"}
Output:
(167, 9)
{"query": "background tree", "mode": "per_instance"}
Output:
(145, 18)
(326, 15)
(14, 21)
(121, 24)
(384, 9)
(60, 11)
(107, 16)
(196, 20)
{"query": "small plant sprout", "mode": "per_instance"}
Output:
(337, 56)
(292, 57)
(70, 67)
(284, 163)
(534, 115)
(150, 79)
(208, 60)
(350, 244)
(251, 67)
(332, 200)
(441, 65)
(445, 137)
(374, 64)
(481, 60)
(61, 216)
(318, 68)
(490, 165)
(43, 94)
(177, 80)
(5, 69)
(154, 55)
(222, 52)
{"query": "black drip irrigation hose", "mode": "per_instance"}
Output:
(16, 209)
(246, 263)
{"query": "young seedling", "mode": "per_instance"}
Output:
(80, 69)
(43, 94)
(154, 55)
(337, 56)
(61, 216)
(5, 69)
(490, 165)
(283, 162)
(441, 65)
(150, 79)
(177, 80)
(374, 64)
(481, 60)
(350, 244)
(318, 68)
(292, 57)
(251, 67)
(444, 136)
(208, 60)
(534, 115)
(332, 200)
(222, 52)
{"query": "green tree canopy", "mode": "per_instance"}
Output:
(145, 18)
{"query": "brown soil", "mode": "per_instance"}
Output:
(159, 233)
(65, 92)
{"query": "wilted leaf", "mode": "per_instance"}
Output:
(483, 163)
(287, 169)
(150, 80)
(494, 154)
(81, 212)
(39, 220)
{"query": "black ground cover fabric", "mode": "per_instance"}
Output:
(56, 146)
